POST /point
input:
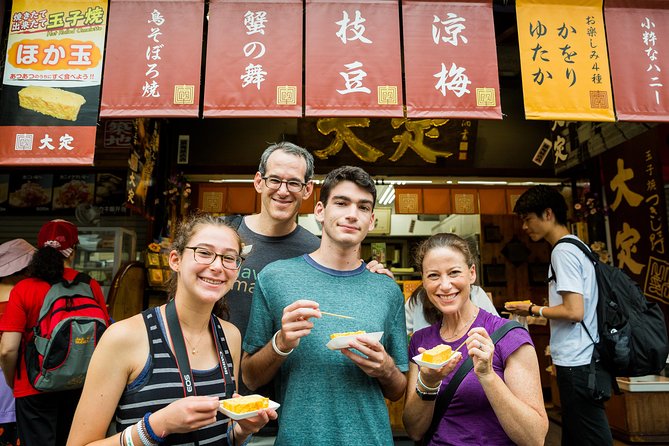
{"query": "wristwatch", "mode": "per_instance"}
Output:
(426, 396)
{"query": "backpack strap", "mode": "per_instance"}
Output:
(444, 398)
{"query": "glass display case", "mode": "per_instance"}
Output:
(101, 252)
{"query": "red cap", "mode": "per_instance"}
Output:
(59, 234)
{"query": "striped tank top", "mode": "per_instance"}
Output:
(159, 384)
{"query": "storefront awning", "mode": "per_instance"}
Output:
(153, 59)
(564, 60)
(254, 59)
(450, 59)
(353, 62)
(638, 36)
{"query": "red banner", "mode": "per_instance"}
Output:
(254, 59)
(450, 59)
(353, 64)
(47, 146)
(638, 39)
(153, 59)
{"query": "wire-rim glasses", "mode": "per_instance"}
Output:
(205, 257)
(275, 183)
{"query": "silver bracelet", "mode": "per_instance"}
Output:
(541, 311)
(276, 349)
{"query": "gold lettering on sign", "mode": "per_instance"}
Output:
(464, 203)
(286, 95)
(414, 138)
(387, 94)
(599, 99)
(485, 97)
(407, 203)
(657, 280)
(184, 94)
(343, 134)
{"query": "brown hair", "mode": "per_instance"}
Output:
(441, 240)
(184, 233)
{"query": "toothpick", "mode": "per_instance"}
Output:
(335, 315)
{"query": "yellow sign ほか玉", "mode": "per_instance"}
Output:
(564, 60)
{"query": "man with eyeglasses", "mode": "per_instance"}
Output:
(289, 328)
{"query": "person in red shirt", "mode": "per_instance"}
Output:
(43, 418)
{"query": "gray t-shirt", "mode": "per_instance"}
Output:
(326, 399)
(264, 251)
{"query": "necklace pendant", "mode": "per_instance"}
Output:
(193, 351)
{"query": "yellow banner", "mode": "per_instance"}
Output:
(564, 60)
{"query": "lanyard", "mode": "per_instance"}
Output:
(182, 355)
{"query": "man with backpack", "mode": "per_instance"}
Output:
(584, 385)
(53, 321)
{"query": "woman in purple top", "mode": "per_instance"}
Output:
(500, 401)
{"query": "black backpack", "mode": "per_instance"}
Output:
(632, 332)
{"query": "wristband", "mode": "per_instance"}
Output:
(276, 349)
(425, 396)
(529, 310)
(231, 436)
(127, 435)
(428, 388)
(541, 311)
(152, 434)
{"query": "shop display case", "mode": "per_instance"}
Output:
(101, 252)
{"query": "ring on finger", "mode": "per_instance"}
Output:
(480, 346)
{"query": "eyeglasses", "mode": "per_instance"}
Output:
(206, 257)
(292, 185)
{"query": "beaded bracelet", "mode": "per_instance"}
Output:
(276, 349)
(156, 438)
(143, 435)
(428, 388)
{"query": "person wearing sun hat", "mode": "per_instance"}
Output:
(43, 418)
(15, 256)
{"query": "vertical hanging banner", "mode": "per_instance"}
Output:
(637, 211)
(254, 59)
(564, 60)
(153, 59)
(353, 64)
(638, 36)
(51, 83)
(450, 59)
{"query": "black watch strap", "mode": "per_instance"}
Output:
(426, 396)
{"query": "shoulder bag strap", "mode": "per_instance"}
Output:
(444, 398)
(590, 255)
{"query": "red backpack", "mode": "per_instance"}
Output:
(70, 324)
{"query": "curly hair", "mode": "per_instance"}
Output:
(441, 240)
(47, 264)
(184, 233)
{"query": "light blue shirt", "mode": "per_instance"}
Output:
(574, 272)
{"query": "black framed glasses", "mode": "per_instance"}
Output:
(292, 185)
(206, 257)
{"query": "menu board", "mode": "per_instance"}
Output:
(62, 193)
(30, 192)
(4, 192)
(70, 190)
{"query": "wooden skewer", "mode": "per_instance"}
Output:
(459, 346)
(336, 315)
